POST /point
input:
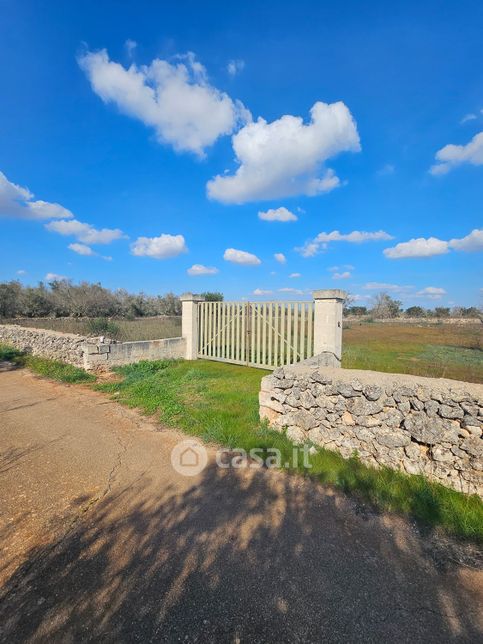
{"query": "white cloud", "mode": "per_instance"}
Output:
(286, 157)
(16, 201)
(54, 277)
(419, 247)
(314, 246)
(234, 67)
(384, 286)
(468, 117)
(295, 275)
(454, 155)
(241, 257)
(346, 267)
(310, 248)
(342, 276)
(280, 257)
(470, 244)
(356, 236)
(85, 232)
(81, 249)
(21, 272)
(162, 247)
(175, 99)
(431, 293)
(356, 297)
(130, 46)
(261, 291)
(287, 289)
(278, 214)
(386, 169)
(199, 269)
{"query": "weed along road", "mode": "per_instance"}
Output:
(102, 540)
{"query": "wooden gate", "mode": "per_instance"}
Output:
(259, 334)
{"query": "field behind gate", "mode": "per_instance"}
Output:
(437, 351)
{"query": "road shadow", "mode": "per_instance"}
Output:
(238, 557)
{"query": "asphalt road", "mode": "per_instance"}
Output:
(102, 541)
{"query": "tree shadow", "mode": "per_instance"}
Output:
(240, 556)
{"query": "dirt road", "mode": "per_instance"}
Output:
(103, 541)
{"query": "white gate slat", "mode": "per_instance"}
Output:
(296, 332)
(289, 334)
(200, 328)
(310, 331)
(218, 329)
(251, 310)
(302, 332)
(264, 333)
(233, 332)
(275, 333)
(205, 308)
(283, 314)
(222, 332)
(243, 332)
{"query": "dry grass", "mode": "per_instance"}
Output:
(439, 351)
(153, 328)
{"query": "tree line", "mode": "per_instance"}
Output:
(64, 299)
(387, 307)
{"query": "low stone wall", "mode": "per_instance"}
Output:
(102, 356)
(97, 354)
(67, 347)
(418, 425)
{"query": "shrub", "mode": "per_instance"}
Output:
(103, 326)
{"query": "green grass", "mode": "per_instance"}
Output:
(444, 351)
(48, 368)
(219, 403)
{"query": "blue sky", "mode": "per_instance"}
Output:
(140, 140)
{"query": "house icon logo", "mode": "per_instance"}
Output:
(189, 458)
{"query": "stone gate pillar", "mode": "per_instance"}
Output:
(328, 305)
(189, 323)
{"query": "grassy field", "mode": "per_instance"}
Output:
(129, 330)
(439, 351)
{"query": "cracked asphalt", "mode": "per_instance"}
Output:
(101, 540)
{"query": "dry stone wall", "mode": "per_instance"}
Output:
(66, 347)
(418, 425)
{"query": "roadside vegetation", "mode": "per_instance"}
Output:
(48, 368)
(219, 403)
